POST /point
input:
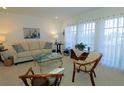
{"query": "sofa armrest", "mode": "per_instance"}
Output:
(9, 52)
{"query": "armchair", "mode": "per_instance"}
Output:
(30, 78)
(88, 65)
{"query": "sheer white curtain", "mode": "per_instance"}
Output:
(70, 36)
(103, 35)
(85, 34)
(112, 42)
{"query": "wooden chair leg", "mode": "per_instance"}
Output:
(94, 73)
(92, 79)
(25, 81)
(73, 77)
(59, 81)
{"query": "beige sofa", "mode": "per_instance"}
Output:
(31, 48)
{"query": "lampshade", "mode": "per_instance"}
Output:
(53, 33)
(55, 36)
(2, 39)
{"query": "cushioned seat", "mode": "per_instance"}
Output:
(24, 54)
(46, 51)
(85, 68)
(35, 52)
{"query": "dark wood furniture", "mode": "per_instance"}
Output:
(40, 79)
(1, 54)
(58, 46)
(85, 65)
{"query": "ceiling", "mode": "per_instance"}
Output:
(48, 12)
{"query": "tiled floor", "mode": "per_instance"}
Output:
(105, 76)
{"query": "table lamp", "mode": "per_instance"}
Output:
(56, 37)
(2, 39)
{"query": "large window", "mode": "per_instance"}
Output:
(85, 34)
(113, 41)
(108, 39)
(70, 36)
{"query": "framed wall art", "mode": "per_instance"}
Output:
(31, 33)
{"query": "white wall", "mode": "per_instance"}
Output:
(12, 25)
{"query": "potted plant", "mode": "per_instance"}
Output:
(80, 46)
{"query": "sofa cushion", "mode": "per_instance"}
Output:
(35, 52)
(25, 45)
(18, 48)
(24, 54)
(34, 45)
(92, 56)
(42, 43)
(44, 51)
(48, 45)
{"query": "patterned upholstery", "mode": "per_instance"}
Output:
(18, 48)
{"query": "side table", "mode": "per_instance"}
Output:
(1, 60)
(59, 47)
(8, 61)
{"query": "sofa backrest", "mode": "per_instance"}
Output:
(28, 46)
(33, 45)
(42, 44)
(25, 46)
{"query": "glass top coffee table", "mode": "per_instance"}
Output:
(40, 58)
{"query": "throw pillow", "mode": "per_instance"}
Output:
(48, 45)
(18, 48)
